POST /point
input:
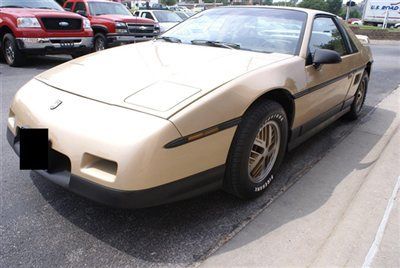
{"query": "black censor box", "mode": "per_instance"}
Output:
(34, 148)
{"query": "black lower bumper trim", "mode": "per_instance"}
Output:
(178, 190)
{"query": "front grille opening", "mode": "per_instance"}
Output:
(58, 162)
(98, 167)
(62, 24)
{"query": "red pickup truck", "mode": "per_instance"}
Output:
(39, 27)
(112, 23)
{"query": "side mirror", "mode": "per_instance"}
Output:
(81, 12)
(325, 56)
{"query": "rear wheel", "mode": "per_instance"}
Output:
(359, 98)
(257, 150)
(100, 42)
(11, 52)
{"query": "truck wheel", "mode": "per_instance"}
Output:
(257, 150)
(359, 98)
(11, 52)
(100, 42)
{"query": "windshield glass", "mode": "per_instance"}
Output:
(254, 29)
(42, 4)
(166, 16)
(105, 8)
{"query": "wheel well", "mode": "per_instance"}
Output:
(3, 31)
(368, 68)
(284, 98)
(97, 30)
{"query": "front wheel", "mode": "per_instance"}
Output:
(100, 42)
(257, 150)
(11, 52)
(359, 98)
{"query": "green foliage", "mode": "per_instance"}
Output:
(314, 4)
(283, 3)
(267, 2)
(354, 13)
(168, 2)
(334, 6)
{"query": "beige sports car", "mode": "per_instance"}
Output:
(213, 103)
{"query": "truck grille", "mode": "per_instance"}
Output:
(62, 24)
(141, 29)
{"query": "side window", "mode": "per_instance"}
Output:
(147, 15)
(137, 13)
(69, 5)
(326, 35)
(80, 6)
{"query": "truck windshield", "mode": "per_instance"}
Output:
(166, 16)
(264, 30)
(106, 8)
(41, 4)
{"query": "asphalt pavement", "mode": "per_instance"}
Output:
(45, 225)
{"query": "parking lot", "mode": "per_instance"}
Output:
(45, 225)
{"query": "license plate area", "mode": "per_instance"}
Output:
(34, 148)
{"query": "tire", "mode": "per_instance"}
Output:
(100, 42)
(243, 177)
(11, 53)
(359, 98)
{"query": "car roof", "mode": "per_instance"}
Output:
(306, 10)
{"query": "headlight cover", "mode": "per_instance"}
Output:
(121, 27)
(86, 24)
(28, 23)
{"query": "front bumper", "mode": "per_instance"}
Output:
(55, 45)
(116, 40)
(60, 174)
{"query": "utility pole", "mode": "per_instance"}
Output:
(348, 10)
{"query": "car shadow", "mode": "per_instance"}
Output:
(187, 231)
(43, 62)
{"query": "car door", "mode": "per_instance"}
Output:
(327, 85)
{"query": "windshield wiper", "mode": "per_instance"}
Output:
(169, 39)
(215, 44)
(11, 6)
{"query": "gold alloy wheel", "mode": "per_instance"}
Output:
(360, 96)
(264, 151)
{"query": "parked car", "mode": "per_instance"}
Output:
(40, 27)
(184, 15)
(354, 21)
(165, 18)
(112, 23)
(215, 103)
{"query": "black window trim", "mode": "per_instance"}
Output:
(333, 18)
(346, 36)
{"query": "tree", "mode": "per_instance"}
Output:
(267, 2)
(354, 13)
(168, 2)
(314, 4)
(334, 6)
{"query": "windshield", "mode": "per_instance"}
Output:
(41, 4)
(255, 29)
(166, 16)
(105, 8)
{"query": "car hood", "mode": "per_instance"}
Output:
(155, 77)
(125, 18)
(35, 12)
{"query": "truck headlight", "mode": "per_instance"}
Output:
(121, 27)
(28, 23)
(86, 24)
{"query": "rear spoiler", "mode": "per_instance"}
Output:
(363, 39)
